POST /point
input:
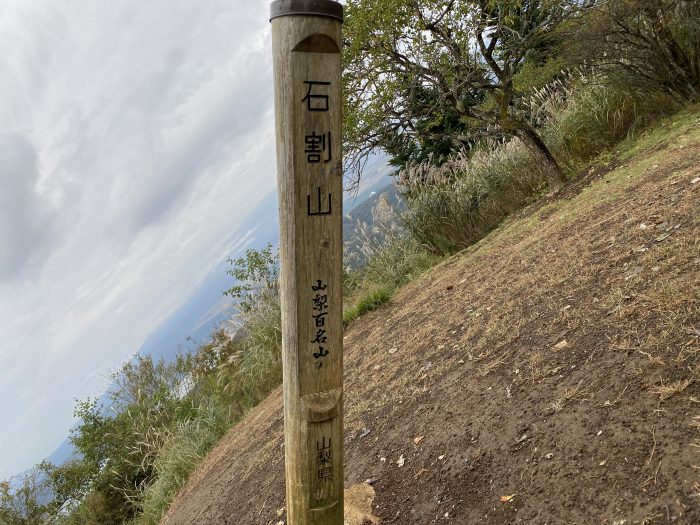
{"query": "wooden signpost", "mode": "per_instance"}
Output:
(306, 44)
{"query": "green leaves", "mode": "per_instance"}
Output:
(256, 274)
(417, 74)
(26, 500)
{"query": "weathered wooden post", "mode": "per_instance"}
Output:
(306, 44)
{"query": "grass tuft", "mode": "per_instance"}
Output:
(366, 303)
(667, 391)
(184, 448)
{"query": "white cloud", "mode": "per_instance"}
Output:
(134, 136)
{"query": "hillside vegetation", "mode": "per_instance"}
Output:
(547, 374)
(545, 152)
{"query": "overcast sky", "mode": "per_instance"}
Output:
(133, 136)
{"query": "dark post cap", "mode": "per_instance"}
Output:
(328, 8)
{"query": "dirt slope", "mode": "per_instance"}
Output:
(555, 364)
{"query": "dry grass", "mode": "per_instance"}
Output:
(492, 365)
(453, 205)
(535, 365)
(577, 393)
(668, 390)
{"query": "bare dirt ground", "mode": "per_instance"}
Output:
(549, 374)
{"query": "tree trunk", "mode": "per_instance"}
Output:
(536, 146)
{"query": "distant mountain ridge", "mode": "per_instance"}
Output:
(371, 220)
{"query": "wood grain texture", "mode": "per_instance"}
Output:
(308, 109)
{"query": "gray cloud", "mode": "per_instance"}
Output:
(25, 218)
(134, 137)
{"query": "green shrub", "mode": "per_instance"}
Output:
(256, 275)
(24, 500)
(249, 369)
